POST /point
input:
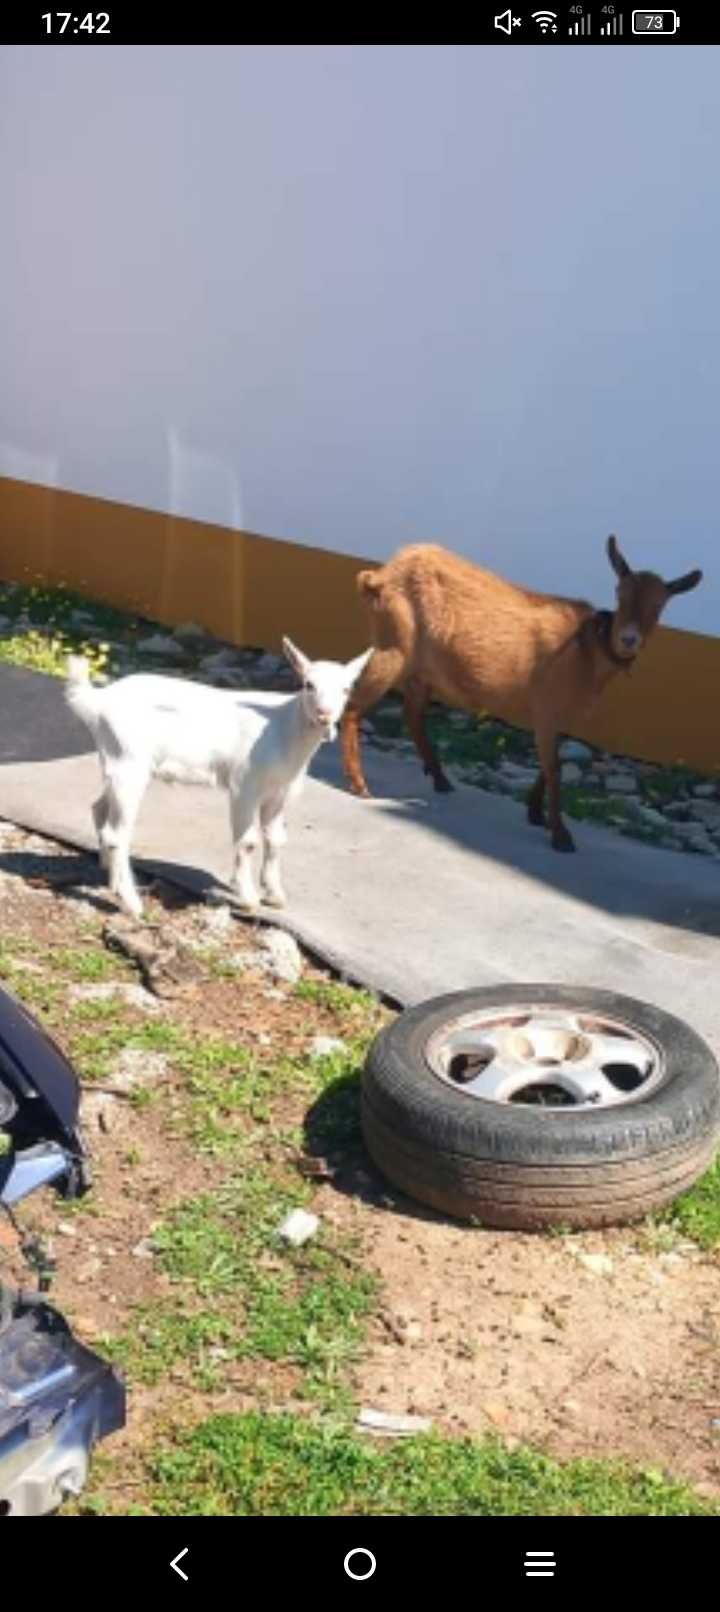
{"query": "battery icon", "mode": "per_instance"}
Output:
(655, 24)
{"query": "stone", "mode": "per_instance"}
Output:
(691, 834)
(143, 1250)
(705, 791)
(230, 677)
(651, 817)
(98, 1110)
(620, 783)
(189, 632)
(599, 1264)
(134, 1065)
(324, 1046)
(217, 922)
(162, 645)
(134, 995)
(707, 811)
(575, 750)
(218, 661)
(571, 773)
(387, 1424)
(270, 666)
(280, 956)
(298, 1227)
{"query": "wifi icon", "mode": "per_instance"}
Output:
(544, 20)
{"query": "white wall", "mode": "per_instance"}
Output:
(360, 296)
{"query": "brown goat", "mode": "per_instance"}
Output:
(444, 629)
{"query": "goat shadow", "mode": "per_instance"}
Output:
(615, 874)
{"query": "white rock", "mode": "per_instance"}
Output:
(143, 1250)
(281, 955)
(217, 922)
(189, 629)
(705, 791)
(689, 832)
(323, 1046)
(82, 618)
(161, 644)
(219, 661)
(575, 750)
(134, 995)
(707, 811)
(134, 1065)
(651, 817)
(385, 1424)
(620, 783)
(570, 772)
(230, 677)
(298, 1227)
(599, 1264)
(270, 666)
(98, 1109)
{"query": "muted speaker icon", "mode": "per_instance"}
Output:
(504, 22)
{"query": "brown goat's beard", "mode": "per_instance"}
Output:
(603, 620)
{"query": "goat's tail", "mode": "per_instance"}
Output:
(82, 698)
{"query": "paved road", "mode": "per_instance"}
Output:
(414, 893)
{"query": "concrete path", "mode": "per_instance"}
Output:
(412, 894)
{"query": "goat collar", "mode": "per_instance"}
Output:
(603, 626)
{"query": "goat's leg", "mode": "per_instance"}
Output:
(547, 745)
(417, 695)
(100, 809)
(274, 833)
(536, 802)
(383, 669)
(243, 820)
(124, 790)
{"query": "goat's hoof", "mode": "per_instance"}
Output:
(563, 842)
(443, 785)
(274, 898)
(132, 909)
(361, 790)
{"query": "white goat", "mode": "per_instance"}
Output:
(258, 747)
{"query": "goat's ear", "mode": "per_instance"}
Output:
(298, 661)
(684, 584)
(355, 667)
(617, 560)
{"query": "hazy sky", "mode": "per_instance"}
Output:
(364, 296)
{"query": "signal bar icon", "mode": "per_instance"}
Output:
(614, 25)
(582, 26)
(539, 1564)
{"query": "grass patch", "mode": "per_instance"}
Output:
(255, 1465)
(85, 964)
(301, 1306)
(337, 998)
(164, 1337)
(697, 1215)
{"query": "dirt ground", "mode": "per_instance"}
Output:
(581, 1345)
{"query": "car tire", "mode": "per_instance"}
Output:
(522, 1167)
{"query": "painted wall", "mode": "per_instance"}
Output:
(359, 296)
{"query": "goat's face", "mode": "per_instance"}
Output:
(641, 599)
(326, 686)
